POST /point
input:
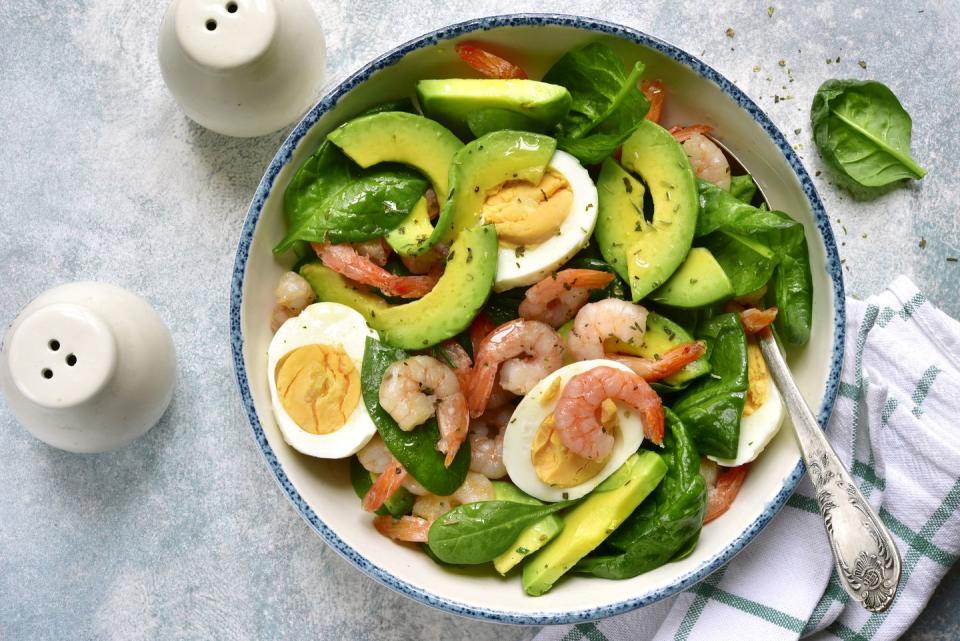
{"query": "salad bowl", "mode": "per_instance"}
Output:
(320, 490)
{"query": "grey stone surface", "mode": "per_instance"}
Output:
(184, 534)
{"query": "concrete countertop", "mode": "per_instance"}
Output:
(185, 534)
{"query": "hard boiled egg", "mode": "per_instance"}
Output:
(763, 412)
(313, 364)
(540, 227)
(537, 461)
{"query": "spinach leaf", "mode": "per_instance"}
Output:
(863, 132)
(747, 263)
(323, 174)
(366, 207)
(711, 409)
(505, 306)
(417, 449)
(666, 522)
(791, 286)
(607, 103)
(743, 188)
(480, 532)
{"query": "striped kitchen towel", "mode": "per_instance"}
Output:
(895, 427)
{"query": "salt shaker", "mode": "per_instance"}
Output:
(242, 67)
(87, 367)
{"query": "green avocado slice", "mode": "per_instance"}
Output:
(699, 281)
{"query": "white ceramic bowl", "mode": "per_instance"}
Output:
(321, 490)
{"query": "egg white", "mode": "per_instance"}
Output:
(530, 413)
(758, 429)
(539, 261)
(330, 324)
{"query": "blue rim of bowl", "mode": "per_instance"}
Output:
(386, 60)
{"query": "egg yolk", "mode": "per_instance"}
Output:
(319, 387)
(758, 379)
(527, 214)
(557, 466)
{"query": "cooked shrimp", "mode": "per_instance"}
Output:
(557, 298)
(385, 486)
(708, 161)
(378, 251)
(608, 318)
(454, 353)
(488, 64)
(406, 528)
(671, 362)
(577, 413)
(431, 507)
(486, 442)
(723, 485)
(756, 320)
(655, 93)
(481, 326)
(525, 351)
(345, 260)
(475, 487)
(293, 294)
(418, 387)
(682, 133)
(375, 457)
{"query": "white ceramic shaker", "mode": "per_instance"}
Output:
(87, 367)
(242, 67)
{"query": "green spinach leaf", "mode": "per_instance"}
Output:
(607, 103)
(480, 532)
(743, 188)
(711, 409)
(863, 132)
(666, 522)
(747, 263)
(417, 449)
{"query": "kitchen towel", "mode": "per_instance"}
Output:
(894, 426)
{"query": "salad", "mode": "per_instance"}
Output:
(524, 311)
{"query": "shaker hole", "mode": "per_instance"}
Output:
(211, 25)
(46, 373)
(54, 344)
(71, 360)
(232, 7)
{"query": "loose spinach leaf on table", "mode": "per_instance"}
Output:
(863, 132)
(480, 532)
(666, 522)
(417, 449)
(711, 409)
(607, 103)
(791, 287)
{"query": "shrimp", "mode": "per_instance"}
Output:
(524, 350)
(723, 485)
(707, 160)
(418, 387)
(488, 64)
(293, 294)
(385, 486)
(577, 412)
(655, 93)
(481, 326)
(377, 250)
(756, 320)
(682, 133)
(608, 318)
(486, 442)
(454, 353)
(557, 298)
(669, 363)
(345, 260)
(407, 528)
(375, 458)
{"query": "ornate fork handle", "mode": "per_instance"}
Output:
(867, 560)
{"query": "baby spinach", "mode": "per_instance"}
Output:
(791, 287)
(711, 409)
(607, 103)
(743, 188)
(666, 522)
(367, 206)
(863, 132)
(747, 263)
(480, 532)
(417, 449)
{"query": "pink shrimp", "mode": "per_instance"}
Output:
(293, 294)
(345, 260)
(407, 528)
(385, 486)
(608, 318)
(578, 409)
(669, 363)
(524, 350)
(377, 250)
(557, 298)
(454, 353)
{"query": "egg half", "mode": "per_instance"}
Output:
(763, 412)
(314, 363)
(527, 459)
(540, 227)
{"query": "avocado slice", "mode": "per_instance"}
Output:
(483, 164)
(699, 281)
(531, 539)
(587, 525)
(411, 237)
(662, 335)
(444, 312)
(479, 106)
(652, 250)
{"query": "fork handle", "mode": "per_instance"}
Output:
(867, 560)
